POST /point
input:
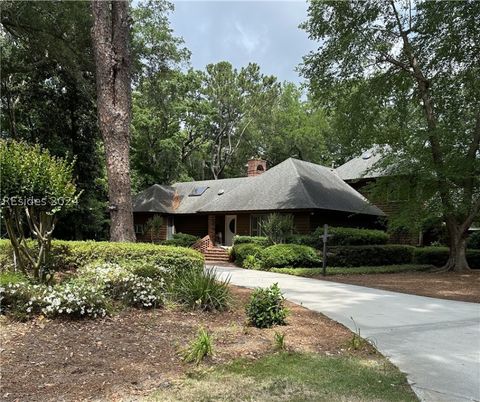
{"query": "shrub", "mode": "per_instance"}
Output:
(356, 256)
(122, 284)
(473, 241)
(305, 240)
(241, 251)
(181, 240)
(266, 307)
(76, 254)
(353, 236)
(438, 256)
(137, 291)
(199, 348)
(201, 289)
(290, 255)
(259, 240)
(277, 227)
(8, 277)
(21, 300)
(252, 262)
(154, 226)
(76, 299)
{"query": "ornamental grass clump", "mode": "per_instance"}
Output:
(200, 348)
(266, 307)
(200, 289)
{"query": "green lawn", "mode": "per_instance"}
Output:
(294, 377)
(387, 269)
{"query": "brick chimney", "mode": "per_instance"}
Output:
(256, 167)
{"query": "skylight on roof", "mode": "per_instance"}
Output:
(367, 155)
(198, 191)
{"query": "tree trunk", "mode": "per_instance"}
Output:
(110, 35)
(457, 260)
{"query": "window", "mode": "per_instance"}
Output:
(256, 224)
(139, 229)
(198, 191)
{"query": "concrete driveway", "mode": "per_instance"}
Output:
(435, 342)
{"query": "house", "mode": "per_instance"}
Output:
(217, 210)
(362, 171)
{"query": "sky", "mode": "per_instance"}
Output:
(264, 32)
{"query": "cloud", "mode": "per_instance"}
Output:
(264, 32)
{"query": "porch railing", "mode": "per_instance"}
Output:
(203, 244)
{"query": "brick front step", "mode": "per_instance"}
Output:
(216, 254)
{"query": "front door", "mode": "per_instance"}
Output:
(230, 229)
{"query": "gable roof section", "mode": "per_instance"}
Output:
(155, 198)
(361, 167)
(291, 185)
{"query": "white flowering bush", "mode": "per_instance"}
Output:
(78, 299)
(21, 300)
(137, 291)
(122, 284)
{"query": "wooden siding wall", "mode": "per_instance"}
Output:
(243, 224)
(146, 237)
(196, 225)
(301, 222)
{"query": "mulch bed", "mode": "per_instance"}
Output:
(135, 352)
(446, 285)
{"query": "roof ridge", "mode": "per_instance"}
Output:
(300, 177)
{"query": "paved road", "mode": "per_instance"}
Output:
(436, 342)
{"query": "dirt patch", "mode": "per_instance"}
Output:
(446, 285)
(137, 351)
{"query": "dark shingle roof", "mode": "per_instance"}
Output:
(293, 184)
(155, 198)
(362, 167)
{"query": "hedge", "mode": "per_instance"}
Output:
(290, 255)
(75, 254)
(473, 241)
(260, 240)
(356, 256)
(241, 251)
(181, 240)
(438, 256)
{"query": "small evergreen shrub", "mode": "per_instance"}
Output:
(260, 240)
(277, 227)
(200, 348)
(305, 240)
(353, 237)
(200, 289)
(357, 256)
(181, 240)
(290, 255)
(438, 256)
(266, 307)
(473, 241)
(252, 262)
(241, 251)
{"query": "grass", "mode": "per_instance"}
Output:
(200, 348)
(295, 377)
(387, 269)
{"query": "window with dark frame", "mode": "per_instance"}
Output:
(256, 224)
